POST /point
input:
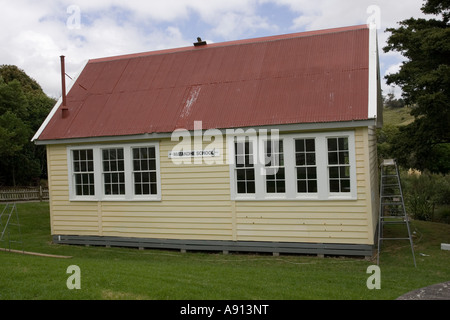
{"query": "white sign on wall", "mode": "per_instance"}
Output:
(194, 153)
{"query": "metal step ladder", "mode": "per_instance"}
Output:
(9, 217)
(392, 205)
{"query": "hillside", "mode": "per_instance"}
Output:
(397, 117)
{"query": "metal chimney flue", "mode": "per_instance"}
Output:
(64, 109)
(199, 42)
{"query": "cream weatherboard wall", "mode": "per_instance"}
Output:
(196, 204)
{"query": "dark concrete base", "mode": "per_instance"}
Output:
(216, 245)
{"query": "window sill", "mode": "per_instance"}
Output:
(115, 199)
(298, 198)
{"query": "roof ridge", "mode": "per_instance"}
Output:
(303, 34)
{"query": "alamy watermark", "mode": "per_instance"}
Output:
(374, 280)
(74, 280)
(73, 21)
(247, 147)
(374, 19)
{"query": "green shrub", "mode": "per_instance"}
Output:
(442, 214)
(424, 193)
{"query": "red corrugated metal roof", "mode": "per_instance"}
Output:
(319, 76)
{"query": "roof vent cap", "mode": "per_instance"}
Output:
(199, 42)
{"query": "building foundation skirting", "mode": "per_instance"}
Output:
(219, 245)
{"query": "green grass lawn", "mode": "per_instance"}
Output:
(120, 273)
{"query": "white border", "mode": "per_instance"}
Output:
(373, 74)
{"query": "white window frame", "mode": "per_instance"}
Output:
(99, 177)
(321, 150)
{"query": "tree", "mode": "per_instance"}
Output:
(391, 102)
(23, 107)
(425, 82)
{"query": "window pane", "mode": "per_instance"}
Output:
(240, 161)
(151, 153)
(106, 166)
(332, 158)
(300, 145)
(344, 157)
(136, 153)
(345, 185)
(332, 144)
(334, 172)
(152, 164)
(146, 189)
(137, 177)
(144, 153)
(300, 159)
(153, 189)
(344, 172)
(310, 159)
(250, 174)
(281, 187)
(241, 187)
(137, 189)
(301, 173)
(120, 165)
(280, 174)
(240, 174)
(312, 186)
(343, 144)
(334, 185)
(136, 165)
(112, 154)
(312, 173)
(270, 186)
(301, 186)
(90, 167)
(310, 145)
(251, 187)
(144, 165)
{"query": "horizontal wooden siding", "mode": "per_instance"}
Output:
(196, 204)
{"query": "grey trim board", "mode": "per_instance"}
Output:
(217, 245)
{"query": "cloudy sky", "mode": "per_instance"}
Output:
(35, 33)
